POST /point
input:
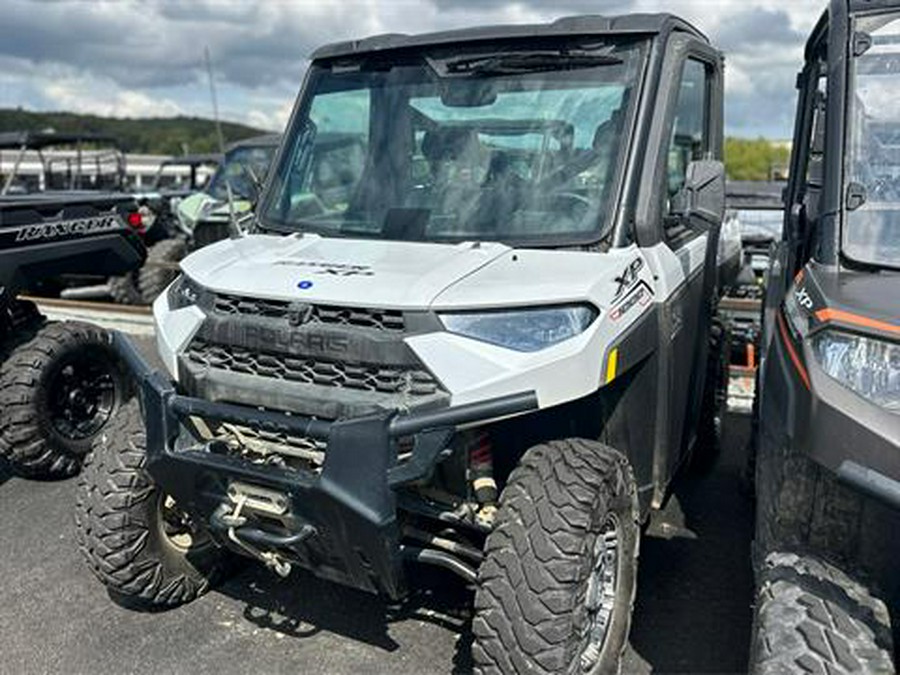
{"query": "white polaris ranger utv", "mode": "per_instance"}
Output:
(469, 329)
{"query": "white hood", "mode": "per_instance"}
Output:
(337, 271)
(528, 277)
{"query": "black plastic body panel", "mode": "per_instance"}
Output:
(631, 400)
(53, 234)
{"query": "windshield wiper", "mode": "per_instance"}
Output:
(527, 62)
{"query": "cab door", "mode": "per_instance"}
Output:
(689, 105)
(695, 245)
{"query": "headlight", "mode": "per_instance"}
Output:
(868, 366)
(525, 330)
(185, 292)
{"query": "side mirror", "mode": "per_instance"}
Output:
(702, 197)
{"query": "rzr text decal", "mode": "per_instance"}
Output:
(69, 228)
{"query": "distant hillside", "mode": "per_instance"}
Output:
(164, 136)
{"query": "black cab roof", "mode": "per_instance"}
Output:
(627, 24)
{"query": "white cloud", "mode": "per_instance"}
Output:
(85, 94)
(272, 116)
(145, 59)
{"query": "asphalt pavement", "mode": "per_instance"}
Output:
(693, 612)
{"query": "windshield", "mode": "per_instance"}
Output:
(502, 145)
(243, 166)
(872, 231)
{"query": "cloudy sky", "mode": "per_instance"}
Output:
(134, 59)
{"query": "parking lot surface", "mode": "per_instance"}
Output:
(693, 610)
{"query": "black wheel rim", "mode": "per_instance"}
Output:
(600, 595)
(82, 394)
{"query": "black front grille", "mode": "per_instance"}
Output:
(375, 319)
(236, 305)
(315, 370)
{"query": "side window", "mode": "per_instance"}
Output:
(690, 131)
(324, 176)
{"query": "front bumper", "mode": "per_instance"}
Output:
(341, 523)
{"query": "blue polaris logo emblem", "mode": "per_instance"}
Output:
(304, 285)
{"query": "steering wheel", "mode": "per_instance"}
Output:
(574, 205)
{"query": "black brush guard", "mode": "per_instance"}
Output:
(342, 523)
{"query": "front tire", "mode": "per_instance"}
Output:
(59, 386)
(813, 618)
(556, 588)
(130, 533)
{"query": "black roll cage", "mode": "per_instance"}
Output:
(828, 54)
(25, 141)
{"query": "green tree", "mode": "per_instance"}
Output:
(754, 159)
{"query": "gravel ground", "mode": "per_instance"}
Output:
(693, 609)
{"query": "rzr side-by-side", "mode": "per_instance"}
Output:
(60, 382)
(828, 427)
(469, 329)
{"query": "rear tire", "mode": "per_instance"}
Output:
(153, 280)
(813, 618)
(556, 588)
(122, 529)
(59, 386)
